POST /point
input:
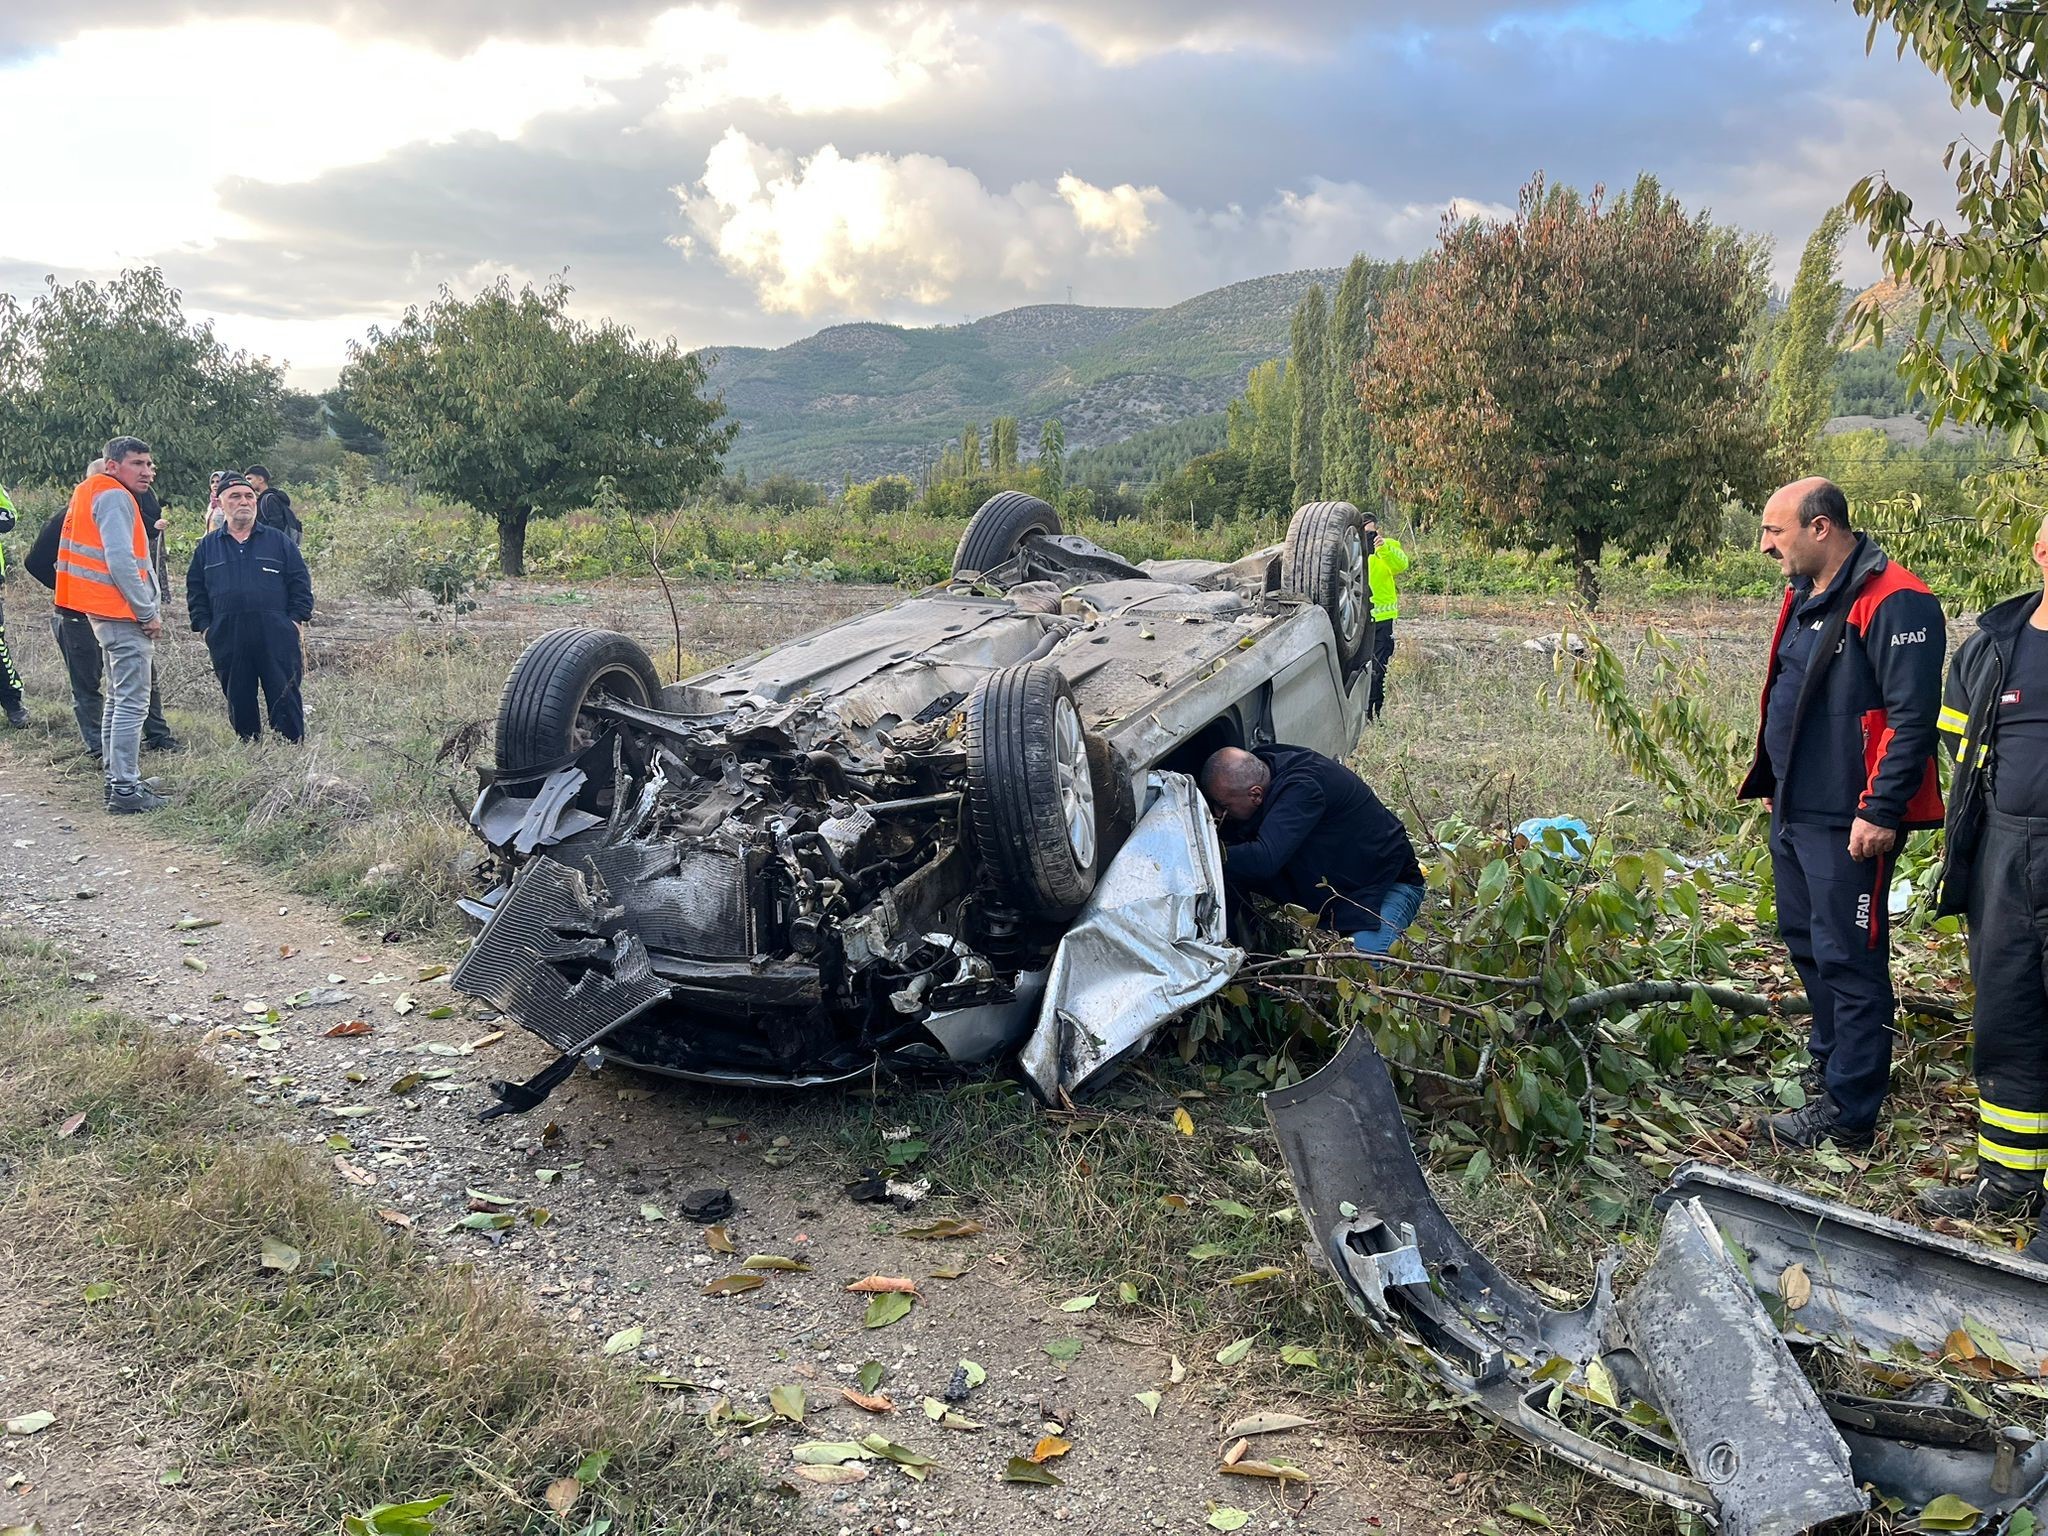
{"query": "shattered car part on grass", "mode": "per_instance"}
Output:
(1703, 1388)
(912, 837)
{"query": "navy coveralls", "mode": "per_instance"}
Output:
(248, 598)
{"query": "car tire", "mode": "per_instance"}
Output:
(552, 681)
(995, 532)
(1324, 561)
(1030, 790)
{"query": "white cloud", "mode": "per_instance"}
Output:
(832, 65)
(876, 234)
(126, 161)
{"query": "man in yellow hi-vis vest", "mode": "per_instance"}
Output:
(1388, 560)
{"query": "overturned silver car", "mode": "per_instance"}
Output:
(865, 848)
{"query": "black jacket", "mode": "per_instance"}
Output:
(1321, 840)
(41, 559)
(1969, 727)
(266, 575)
(274, 510)
(1863, 725)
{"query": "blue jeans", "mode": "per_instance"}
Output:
(1397, 910)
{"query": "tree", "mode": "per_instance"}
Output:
(505, 402)
(1261, 430)
(300, 415)
(1052, 455)
(1309, 361)
(1802, 381)
(1574, 377)
(1978, 350)
(88, 361)
(356, 435)
(970, 447)
(1002, 445)
(1347, 434)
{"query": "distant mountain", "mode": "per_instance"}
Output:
(867, 399)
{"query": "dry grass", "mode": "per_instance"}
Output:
(371, 1373)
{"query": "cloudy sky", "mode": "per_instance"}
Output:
(745, 173)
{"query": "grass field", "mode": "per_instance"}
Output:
(402, 711)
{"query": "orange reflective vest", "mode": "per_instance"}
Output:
(83, 584)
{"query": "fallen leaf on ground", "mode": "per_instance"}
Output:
(403, 1003)
(882, 1285)
(1066, 1351)
(1050, 1448)
(429, 973)
(189, 924)
(1299, 1354)
(1266, 1424)
(1795, 1286)
(625, 1339)
(915, 1464)
(950, 1274)
(1275, 1471)
(1176, 1373)
(718, 1240)
(483, 1040)
(826, 1453)
(774, 1261)
(1223, 1518)
(1231, 1354)
(945, 1417)
(1175, 1202)
(886, 1308)
(876, 1402)
(833, 1473)
(732, 1285)
(1019, 1470)
(869, 1376)
(942, 1231)
(1149, 1401)
(394, 1218)
(31, 1423)
(71, 1125)
(1256, 1276)
(1531, 1514)
(99, 1290)
(1183, 1122)
(351, 1172)
(788, 1402)
(277, 1255)
(562, 1495)
(352, 1027)
(975, 1375)
(1077, 1303)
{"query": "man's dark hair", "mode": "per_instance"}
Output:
(1825, 500)
(257, 469)
(120, 448)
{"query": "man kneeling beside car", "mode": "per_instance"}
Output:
(1304, 830)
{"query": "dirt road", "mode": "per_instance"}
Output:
(610, 1159)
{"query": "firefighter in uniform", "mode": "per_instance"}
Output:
(1994, 719)
(1845, 756)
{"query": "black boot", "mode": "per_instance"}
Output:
(1996, 1191)
(1819, 1121)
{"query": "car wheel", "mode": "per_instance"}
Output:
(1031, 791)
(1324, 560)
(541, 712)
(995, 533)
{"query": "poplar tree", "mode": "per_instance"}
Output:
(1309, 363)
(1802, 387)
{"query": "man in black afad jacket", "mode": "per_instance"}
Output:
(1844, 755)
(273, 507)
(1305, 830)
(248, 592)
(1994, 719)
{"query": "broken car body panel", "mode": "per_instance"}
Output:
(1148, 946)
(786, 848)
(1685, 1390)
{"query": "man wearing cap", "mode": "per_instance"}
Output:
(248, 591)
(81, 651)
(104, 571)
